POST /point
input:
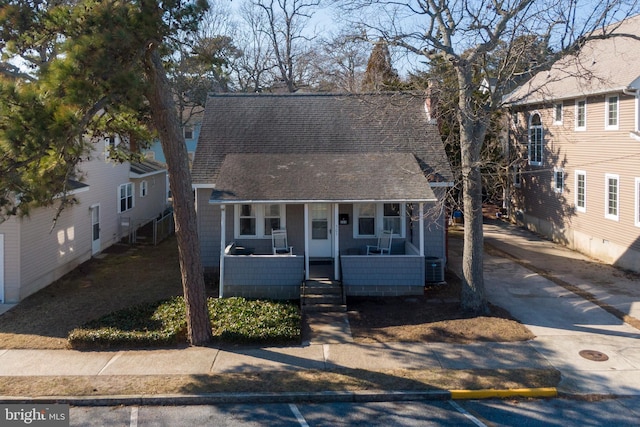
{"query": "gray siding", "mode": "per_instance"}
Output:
(276, 277)
(382, 275)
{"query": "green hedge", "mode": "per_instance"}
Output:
(161, 324)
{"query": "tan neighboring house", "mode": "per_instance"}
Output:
(576, 129)
(113, 199)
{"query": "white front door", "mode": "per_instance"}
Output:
(95, 229)
(1, 268)
(320, 224)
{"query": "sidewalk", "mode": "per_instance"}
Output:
(564, 324)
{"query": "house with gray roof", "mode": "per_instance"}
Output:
(576, 139)
(334, 171)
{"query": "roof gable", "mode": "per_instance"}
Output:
(308, 124)
(601, 66)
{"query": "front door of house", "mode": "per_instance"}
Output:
(95, 229)
(320, 242)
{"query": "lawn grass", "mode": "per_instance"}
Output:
(163, 323)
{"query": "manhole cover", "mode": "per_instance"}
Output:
(594, 355)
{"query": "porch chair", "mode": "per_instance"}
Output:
(279, 243)
(384, 244)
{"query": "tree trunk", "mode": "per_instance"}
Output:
(166, 121)
(472, 132)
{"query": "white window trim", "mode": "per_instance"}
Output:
(607, 126)
(260, 217)
(637, 210)
(517, 176)
(133, 197)
(555, 183)
(581, 128)
(144, 189)
(607, 215)
(558, 122)
(379, 220)
(530, 127)
(581, 208)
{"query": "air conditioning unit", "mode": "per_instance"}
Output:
(434, 270)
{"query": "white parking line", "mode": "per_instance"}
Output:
(134, 417)
(298, 415)
(467, 414)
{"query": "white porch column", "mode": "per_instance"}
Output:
(336, 242)
(223, 229)
(306, 241)
(421, 213)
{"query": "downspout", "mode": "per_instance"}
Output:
(636, 93)
(306, 241)
(336, 242)
(421, 227)
(223, 229)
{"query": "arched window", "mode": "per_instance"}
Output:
(536, 140)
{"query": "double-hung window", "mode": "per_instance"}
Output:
(558, 180)
(125, 197)
(366, 213)
(581, 114)
(258, 220)
(612, 113)
(581, 191)
(144, 189)
(612, 196)
(536, 140)
(371, 218)
(557, 113)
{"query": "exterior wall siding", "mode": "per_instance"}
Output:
(38, 254)
(276, 276)
(154, 203)
(11, 231)
(382, 275)
(597, 152)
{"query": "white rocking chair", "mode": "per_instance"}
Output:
(384, 244)
(279, 243)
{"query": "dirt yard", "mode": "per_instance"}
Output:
(127, 276)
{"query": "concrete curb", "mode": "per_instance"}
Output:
(289, 397)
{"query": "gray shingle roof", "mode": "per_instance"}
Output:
(302, 126)
(144, 168)
(601, 66)
(329, 177)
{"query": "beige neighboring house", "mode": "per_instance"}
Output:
(577, 131)
(113, 199)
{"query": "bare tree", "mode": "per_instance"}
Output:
(467, 33)
(286, 21)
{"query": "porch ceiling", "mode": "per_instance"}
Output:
(321, 177)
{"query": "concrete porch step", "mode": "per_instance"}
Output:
(322, 296)
(324, 308)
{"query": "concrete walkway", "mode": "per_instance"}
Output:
(573, 334)
(564, 323)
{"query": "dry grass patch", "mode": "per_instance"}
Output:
(279, 381)
(433, 317)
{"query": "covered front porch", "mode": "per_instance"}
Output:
(332, 231)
